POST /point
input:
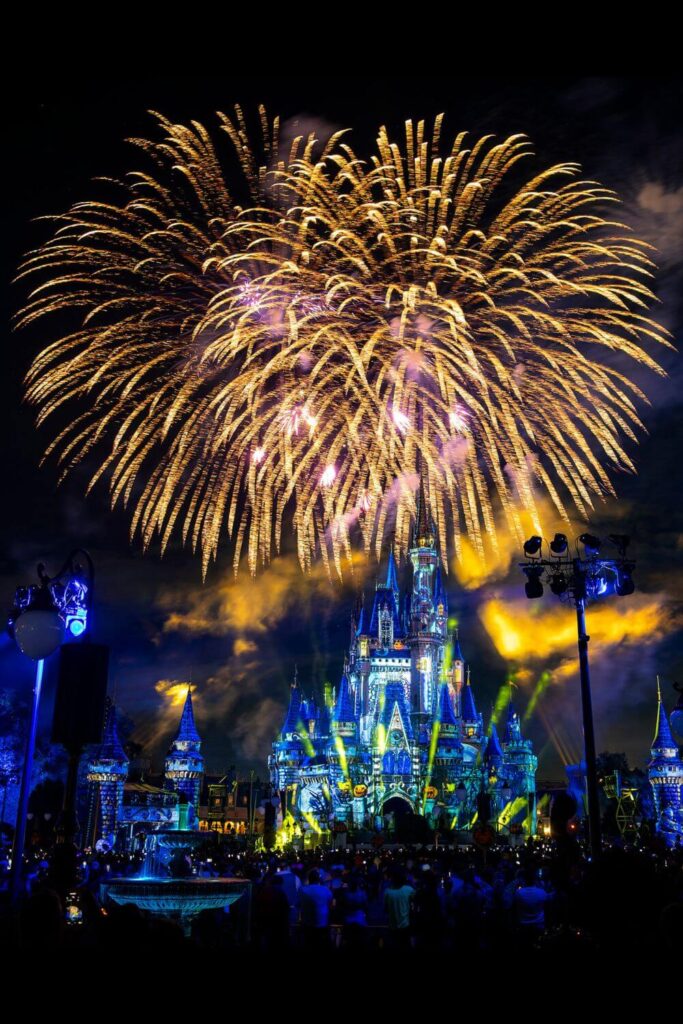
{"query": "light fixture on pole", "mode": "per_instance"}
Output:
(38, 624)
(577, 579)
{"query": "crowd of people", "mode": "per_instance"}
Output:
(542, 896)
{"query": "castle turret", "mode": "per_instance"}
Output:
(385, 621)
(293, 720)
(344, 722)
(446, 725)
(184, 767)
(665, 772)
(424, 535)
(471, 719)
(445, 714)
(493, 755)
(288, 749)
(426, 635)
(108, 772)
(518, 770)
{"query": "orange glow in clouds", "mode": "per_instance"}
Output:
(529, 631)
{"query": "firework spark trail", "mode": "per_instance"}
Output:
(354, 323)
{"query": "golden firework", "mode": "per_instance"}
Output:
(303, 350)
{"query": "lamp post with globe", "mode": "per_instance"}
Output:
(42, 616)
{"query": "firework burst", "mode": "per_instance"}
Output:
(302, 353)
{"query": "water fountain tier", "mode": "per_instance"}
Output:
(182, 895)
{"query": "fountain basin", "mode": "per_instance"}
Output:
(181, 898)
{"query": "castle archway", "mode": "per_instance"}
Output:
(398, 806)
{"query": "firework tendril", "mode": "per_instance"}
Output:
(299, 355)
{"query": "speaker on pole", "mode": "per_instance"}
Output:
(78, 718)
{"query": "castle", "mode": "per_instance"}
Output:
(402, 733)
(120, 807)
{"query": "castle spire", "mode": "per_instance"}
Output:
(424, 532)
(392, 578)
(663, 743)
(469, 708)
(457, 650)
(493, 747)
(293, 716)
(184, 765)
(446, 714)
(110, 748)
(343, 713)
(187, 730)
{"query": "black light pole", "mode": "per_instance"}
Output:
(594, 824)
(576, 580)
(38, 623)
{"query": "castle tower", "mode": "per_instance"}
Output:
(518, 769)
(446, 726)
(288, 748)
(343, 720)
(184, 767)
(342, 748)
(665, 772)
(493, 755)
(108, 772)
(425, 635)
(471, 719)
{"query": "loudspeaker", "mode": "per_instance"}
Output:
(81, 693)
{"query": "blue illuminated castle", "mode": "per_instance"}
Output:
(121, 808)
(402, 732)
(665, 772)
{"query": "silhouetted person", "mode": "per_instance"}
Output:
(271, 915)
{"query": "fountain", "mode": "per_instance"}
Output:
(166, 887)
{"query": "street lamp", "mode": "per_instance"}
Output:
(38, 624)
(576, 579)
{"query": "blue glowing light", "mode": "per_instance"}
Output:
(72, 600)
(76, 624)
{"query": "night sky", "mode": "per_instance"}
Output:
(239, 641)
